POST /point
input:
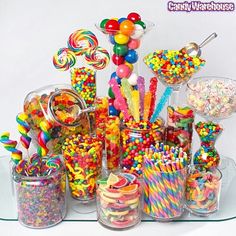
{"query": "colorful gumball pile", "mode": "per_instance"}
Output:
(124, 35)
(119, 201)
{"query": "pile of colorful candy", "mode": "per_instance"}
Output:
(207, 154)
(124, 35)
(203, 190)
(36, 106)
(119, 201)
(179, 128)
(83, 159)
(214, 98)
(173, 67)
(41, 202)
(135, 138)
(164, 175)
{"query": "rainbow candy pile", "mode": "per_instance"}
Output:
(164, 175)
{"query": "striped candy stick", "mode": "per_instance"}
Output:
(10, 145)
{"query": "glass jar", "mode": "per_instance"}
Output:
(83, 159)
(203, 190)
(164, 192)
(41, 201)
(49, 103)
(119, 201)
(135, 138)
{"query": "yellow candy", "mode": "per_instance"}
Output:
(121, 38)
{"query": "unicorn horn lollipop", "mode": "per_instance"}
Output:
(43, 138)
(23, 128)
(10, 145)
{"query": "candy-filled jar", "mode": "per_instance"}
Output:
(119, 201)
(135, 138)
(60, 105)
(203, 190)
(41, 199)
(83, 159)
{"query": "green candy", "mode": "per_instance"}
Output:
(120, 50)
(139, 22)
(110, 93)
(103, 23)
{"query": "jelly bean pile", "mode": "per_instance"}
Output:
(118, 201)
(83, 159)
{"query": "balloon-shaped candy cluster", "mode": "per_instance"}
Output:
(124, 35)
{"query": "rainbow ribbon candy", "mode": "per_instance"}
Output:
(23, 128)
(10, 145)
(43, 138)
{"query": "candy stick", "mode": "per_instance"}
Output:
(147, 103)
(127, 89)
(23, 128)
(10, 145)
(153, 89)
(135, 99)
(43, 138)
(141, 88)
(161, 104)
(120, 101)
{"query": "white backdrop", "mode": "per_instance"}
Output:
(32, 31)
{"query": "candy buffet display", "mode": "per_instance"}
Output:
(214, 98)
(164, 174)
(116, 150)
(203, 190)
(119, 201)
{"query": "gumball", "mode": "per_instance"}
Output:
(111, 39)
(133, 79)
(129, 65)
(117, 60)
(103, 23)
(133, 16)
(138, 32)
(117, 104)
(112, 26)
(131, 56)
(110, 93)
(111, 101)
(113, 111)
(141, 23)
(134, 44)
(123, 71)
(115, 76)
(121, 38)
(127, 27)
(121, 19)
(120, 50)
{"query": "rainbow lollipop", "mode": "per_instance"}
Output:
(10, 145)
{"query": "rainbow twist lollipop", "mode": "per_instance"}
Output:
(23, 128)
(64, 59)
(43, 138)
(10, 145)
(82, 40)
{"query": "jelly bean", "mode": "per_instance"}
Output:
(115, 76)
(134, 44)
(122, 19)
(103, 23)
(120, 50)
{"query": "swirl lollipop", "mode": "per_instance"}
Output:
(82, 40)
(64, 59)
(23, 128)
(43, 138)
(97, 57)
(10, 145)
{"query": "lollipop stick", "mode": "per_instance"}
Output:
(161, 104)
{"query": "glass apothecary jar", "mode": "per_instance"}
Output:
(135, 138)
(61, 106)
(119, 201)
(41, 200)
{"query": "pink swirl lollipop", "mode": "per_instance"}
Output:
(82, 40)
(64, 59)
(97, 57)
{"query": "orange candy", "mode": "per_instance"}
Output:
(127, 27)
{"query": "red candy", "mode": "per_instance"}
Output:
(112, 26)
(133, 16)
(117, 60)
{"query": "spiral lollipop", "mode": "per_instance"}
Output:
(10, 145)
(82, 40)
(97, 57)
(64, 59)
(43, 138)
(23, 128)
